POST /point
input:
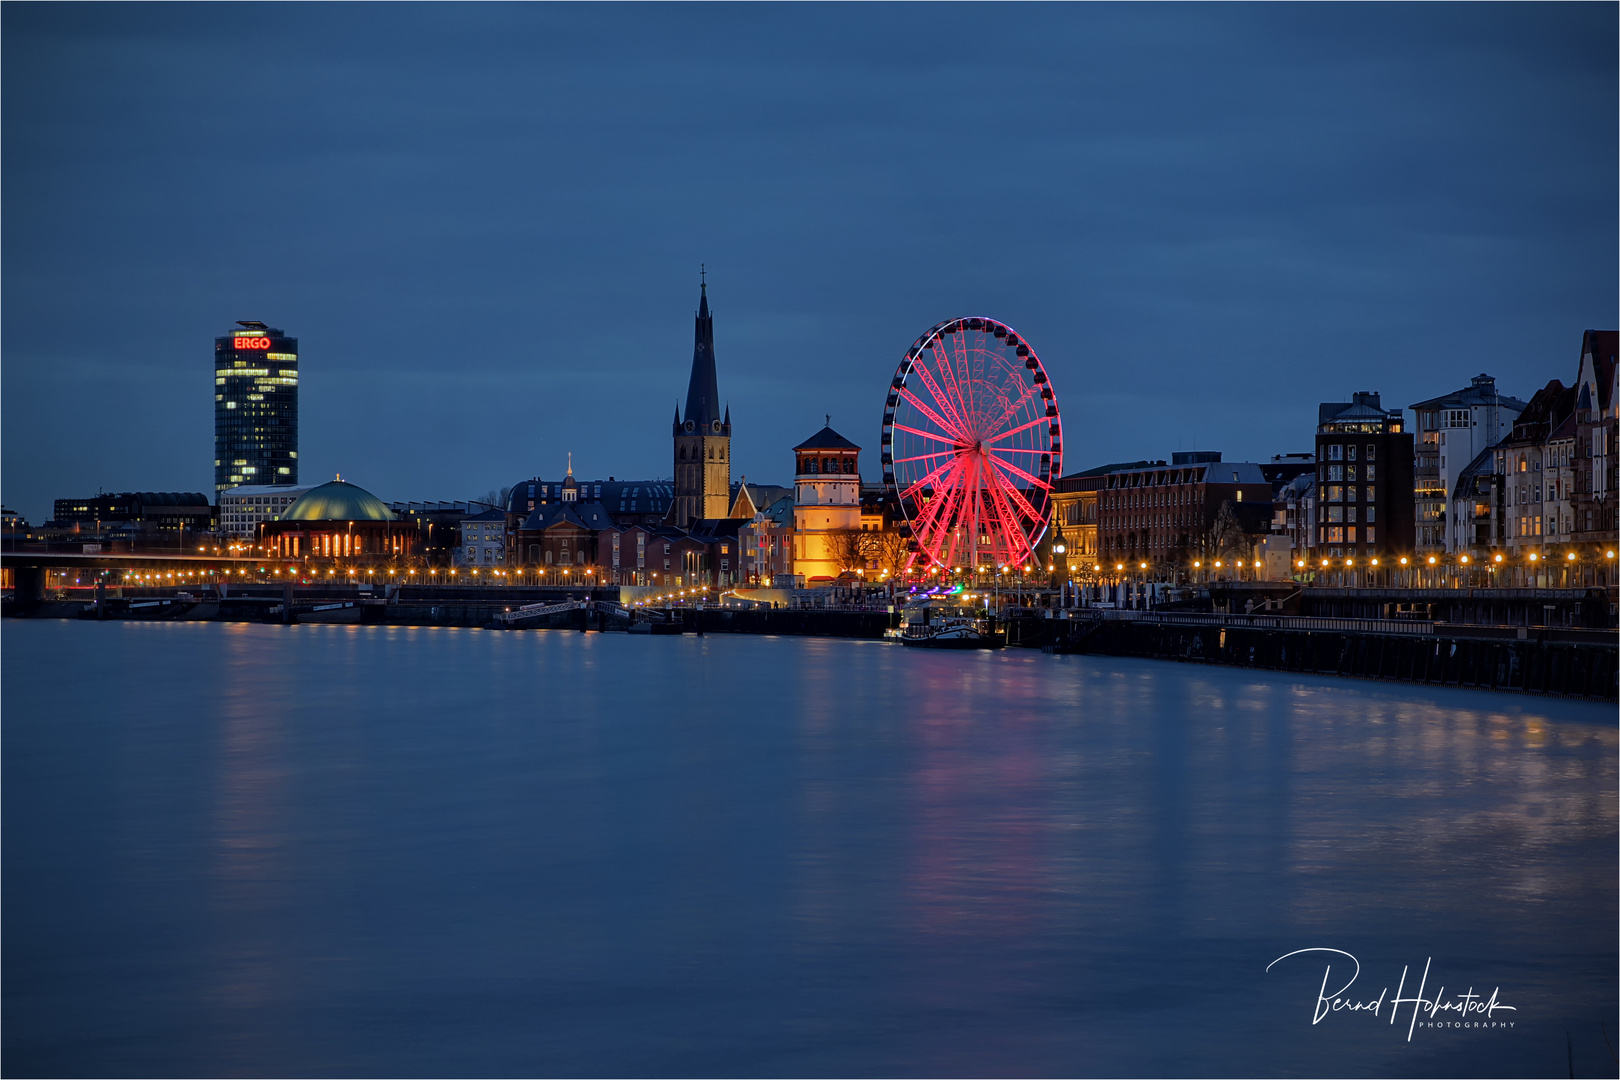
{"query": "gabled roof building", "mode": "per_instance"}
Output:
(1452, 431)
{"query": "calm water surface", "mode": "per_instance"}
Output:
(260, 850)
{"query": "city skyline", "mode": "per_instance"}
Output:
(1212, 255)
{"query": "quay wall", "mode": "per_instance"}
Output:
(1560, 663)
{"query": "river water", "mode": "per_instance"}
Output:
(235, 849)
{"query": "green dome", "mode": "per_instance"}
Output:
(338, 501)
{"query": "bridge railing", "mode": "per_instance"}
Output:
(1268, 622)
(530, 611)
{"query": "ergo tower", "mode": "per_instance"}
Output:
(255, 407)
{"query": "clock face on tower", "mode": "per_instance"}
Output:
(690, 426)
(716, 427)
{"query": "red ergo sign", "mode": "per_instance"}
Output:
(252, 343)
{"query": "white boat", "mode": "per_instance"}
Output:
(927, 629)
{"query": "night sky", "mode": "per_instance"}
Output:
(484, 223)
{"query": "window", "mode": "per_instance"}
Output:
(1372, 453)
(1372, 472)
(1370, 496)
(1350, 452)
(1335, 493)
(1335, 534)
(1372, 512)
(1335, 472)
(1335, 513)
(1335, 452)
(1350, 470)
(1349, 513)
(1371, 538)
(1350, 534)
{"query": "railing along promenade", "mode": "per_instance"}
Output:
(1262, 622)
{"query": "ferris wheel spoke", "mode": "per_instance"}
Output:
(934, 475)
(1013, 526)
(1026, 394)
(925, 434)
(941, 509)
(924, 457)
(951, 389)
(965, 380)
(1015, 470)
(944, 424)
(945, 401)
(1037, 422)
(1018, 499)
(958, 363)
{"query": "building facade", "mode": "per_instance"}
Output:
(766, 544)
(1476, 525)
(1595, 468)
(243, 509)
(1364, 495)
(1166, 515)
(153, 518)
(255, 407)
(482, 539)
(1522, 464)
(702, 451)
(629, 502)
(1073, 543)
(1452, 431)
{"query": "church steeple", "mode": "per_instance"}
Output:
(702, 457)
(703, 390)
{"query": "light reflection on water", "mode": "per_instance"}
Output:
(369, 850)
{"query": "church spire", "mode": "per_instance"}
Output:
(703, 391)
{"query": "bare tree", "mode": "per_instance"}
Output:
(1226, 538)
(495, 497)
(848, 548)
(891, 550)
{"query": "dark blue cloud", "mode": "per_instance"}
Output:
(484, 222)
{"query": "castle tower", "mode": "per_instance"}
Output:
(826, 504)
(703, 436)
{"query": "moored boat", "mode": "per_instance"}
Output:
(927, 628)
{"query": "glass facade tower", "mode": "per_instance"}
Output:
(255, 407)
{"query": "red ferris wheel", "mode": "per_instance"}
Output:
(972, 443)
